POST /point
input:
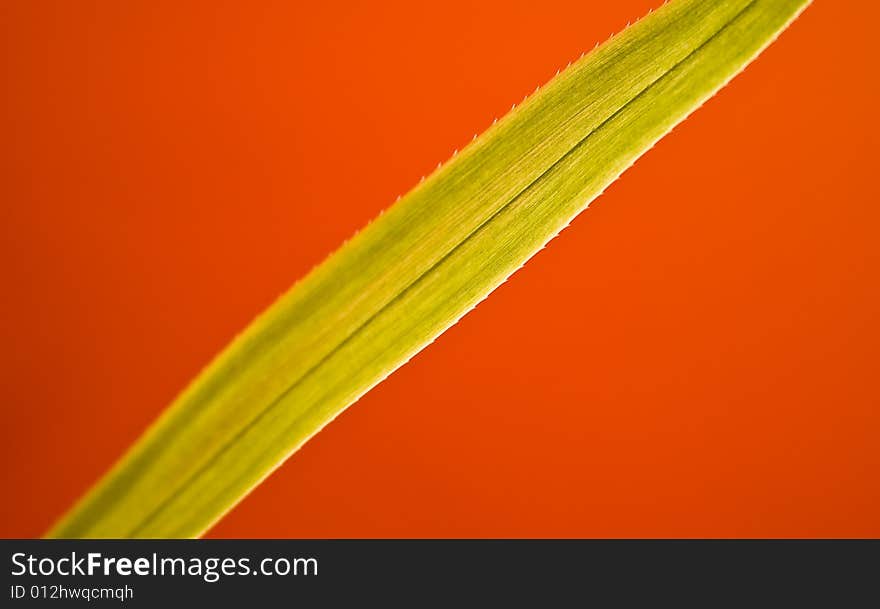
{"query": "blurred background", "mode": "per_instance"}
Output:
(697, 355)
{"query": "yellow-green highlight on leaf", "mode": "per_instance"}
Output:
(419, 267)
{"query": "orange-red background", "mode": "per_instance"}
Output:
(695, 356)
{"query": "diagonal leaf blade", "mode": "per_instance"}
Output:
(420, 266)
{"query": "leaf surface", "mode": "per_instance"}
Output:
(419, 267)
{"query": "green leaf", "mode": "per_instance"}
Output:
(417, 269)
